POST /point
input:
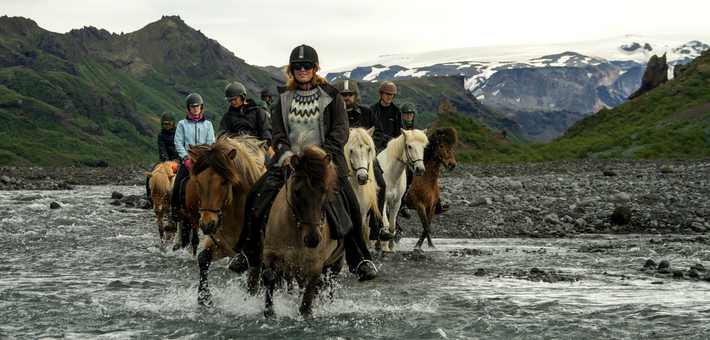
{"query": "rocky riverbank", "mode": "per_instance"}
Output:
(547, 199)
(559, 199)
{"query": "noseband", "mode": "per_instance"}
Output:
(296, 216)
(219, 212)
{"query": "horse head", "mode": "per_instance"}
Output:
(415, 143)
(218, 170)
(311, 187)
(360, 154)
(444, 140)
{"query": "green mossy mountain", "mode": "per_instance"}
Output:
(89, 97)
(670, 121)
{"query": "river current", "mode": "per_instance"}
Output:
(91, 270)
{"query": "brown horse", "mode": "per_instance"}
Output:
(222, 174)
(188, 212)
(161, 187)
(424, 192)
(297, 240)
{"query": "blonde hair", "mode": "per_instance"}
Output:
(293, 85)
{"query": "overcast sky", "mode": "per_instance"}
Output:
(264, 32)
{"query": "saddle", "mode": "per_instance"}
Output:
(183, 191)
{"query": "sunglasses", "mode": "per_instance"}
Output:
(307, 65)
(347, 94)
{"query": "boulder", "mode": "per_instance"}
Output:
(621, 215)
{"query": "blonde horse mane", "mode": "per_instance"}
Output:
(396, 147)
(253, 146)
(242, 171)
(360, 136)
(160, 178)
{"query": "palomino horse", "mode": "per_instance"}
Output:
(407, 150)
(424, 192)
(161, 187)
(223, 173)
(360, 156)
(298, 241)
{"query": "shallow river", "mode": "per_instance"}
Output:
(90, 270)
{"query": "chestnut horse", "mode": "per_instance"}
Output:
(424, 192)
(407, 150)
(161, 188)
(222, 174)
(360, 156)
(297, 240)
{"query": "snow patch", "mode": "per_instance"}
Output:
(375, 72)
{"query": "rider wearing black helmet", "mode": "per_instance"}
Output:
(245, 116)
(310, 107)
(266, 96)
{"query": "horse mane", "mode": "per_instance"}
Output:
(160, 178)
(242, 171)
(447, 136)
(360, 135)
(251, 145)
(315, 170)
(396, 146)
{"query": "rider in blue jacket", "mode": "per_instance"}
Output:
(193, 130)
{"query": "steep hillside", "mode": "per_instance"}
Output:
(90, 97)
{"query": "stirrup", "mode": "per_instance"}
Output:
(365, 262)
(384, 235)
(237, 267)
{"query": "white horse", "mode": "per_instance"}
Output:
(407, 150)
(360, 156)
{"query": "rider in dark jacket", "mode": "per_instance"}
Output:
(166, 146)
(389, 114)
(245, 116)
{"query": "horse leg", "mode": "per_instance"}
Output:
(178, 232)
(161, 227)
(204, 297)
(269, 276)
(430, 216)
(388, 246)
(421, 212)
(253, 280)
(195, 238)
(309, 293)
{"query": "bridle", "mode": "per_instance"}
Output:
(294, 212)
(355, 170)
(410, 163)
(219, 212)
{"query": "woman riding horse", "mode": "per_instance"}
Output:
(311, 109)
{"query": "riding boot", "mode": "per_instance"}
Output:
(377, 233)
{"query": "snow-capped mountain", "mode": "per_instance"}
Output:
(580, 76)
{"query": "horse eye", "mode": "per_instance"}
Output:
(409, 146)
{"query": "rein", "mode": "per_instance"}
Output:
(294, 212)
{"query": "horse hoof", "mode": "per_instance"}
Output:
(205, 300)
(269, 313)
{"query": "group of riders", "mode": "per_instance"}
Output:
(308, 111)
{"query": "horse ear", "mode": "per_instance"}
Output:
(149, 174)
(262, 143)
(171, 176)
(371, 130)
(328, 158)
(294, 162)
(424, 131)
(232, 154)
(193, 153)
(402, 130)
